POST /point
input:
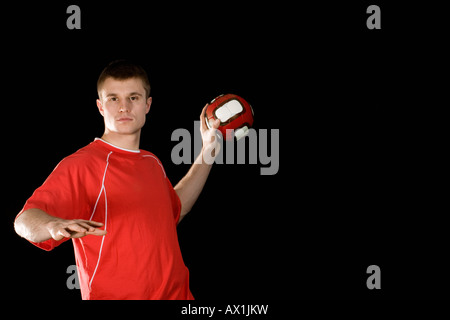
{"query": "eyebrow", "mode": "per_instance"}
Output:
(130, 94)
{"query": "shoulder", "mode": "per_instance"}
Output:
(152, 157)
(148, 153)
(85, 157)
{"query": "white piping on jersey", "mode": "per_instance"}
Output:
(162, 168)
(102, 189)
(123, 149)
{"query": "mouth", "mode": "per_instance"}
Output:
(124, 119)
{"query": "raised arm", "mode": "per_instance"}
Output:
(36, 225)
(191, 185)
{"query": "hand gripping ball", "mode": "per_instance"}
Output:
(233, 112)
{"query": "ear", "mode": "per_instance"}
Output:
(100, 107)
(149, 103)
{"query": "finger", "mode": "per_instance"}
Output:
(61, 233)
(86, 226)
(93, 223)
(75, 235)
(204, 110)
(216, 124)
(203, 118)
(76, 228)
(97, 232)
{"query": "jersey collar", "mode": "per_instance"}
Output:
(116, 147)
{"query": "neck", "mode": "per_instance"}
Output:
(125, 141)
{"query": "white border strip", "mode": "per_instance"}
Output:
(106, 217)
(162, 168)
(123, 149)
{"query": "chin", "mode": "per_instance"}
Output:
(128, 132)
(122, 130)
(126, 128)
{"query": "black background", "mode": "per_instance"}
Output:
(359, 122)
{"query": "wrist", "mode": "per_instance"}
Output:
(209, 153)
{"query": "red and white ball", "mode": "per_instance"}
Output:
(233, 112)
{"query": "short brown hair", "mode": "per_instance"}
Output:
(122, 70)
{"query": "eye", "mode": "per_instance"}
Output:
(134, 98)
(114, 99)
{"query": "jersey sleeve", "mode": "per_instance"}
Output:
(61, 195)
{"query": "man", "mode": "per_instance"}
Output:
(116, 203)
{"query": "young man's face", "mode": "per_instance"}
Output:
(123, 105)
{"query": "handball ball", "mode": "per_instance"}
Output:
(233, 112)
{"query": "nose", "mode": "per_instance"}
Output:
(124, 106)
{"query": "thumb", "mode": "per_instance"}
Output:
(216, 124)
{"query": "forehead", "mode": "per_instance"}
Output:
(115, 86)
